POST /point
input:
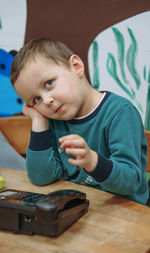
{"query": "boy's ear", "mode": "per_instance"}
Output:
(77, 64)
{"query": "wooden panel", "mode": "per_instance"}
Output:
(16, 129)
(148, 154)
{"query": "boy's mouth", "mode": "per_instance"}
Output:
(59, 108)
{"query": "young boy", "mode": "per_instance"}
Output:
(78, 134)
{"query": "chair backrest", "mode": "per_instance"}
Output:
(147, 133)
(16, 129)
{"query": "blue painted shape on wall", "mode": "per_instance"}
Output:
(5, 62)
(10, 102)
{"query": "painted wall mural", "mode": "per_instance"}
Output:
(12, 33)
(121, 63)
(119, 60)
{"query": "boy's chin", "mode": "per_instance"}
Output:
(64, 116)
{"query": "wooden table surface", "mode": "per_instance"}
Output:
(112, 224)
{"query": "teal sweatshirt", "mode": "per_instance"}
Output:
(115, 131)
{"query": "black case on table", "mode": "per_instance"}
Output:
(34, 213)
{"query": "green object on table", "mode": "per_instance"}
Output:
(2, 183)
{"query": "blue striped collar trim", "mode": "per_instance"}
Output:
(93, 114)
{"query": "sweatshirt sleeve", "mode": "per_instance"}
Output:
(42, 161)
(124, 171)
(39, 140)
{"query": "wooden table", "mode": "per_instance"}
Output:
(112, 224)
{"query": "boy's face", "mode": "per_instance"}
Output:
(53, 90)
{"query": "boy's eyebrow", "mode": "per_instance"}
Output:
(45, 78)
(42, 80)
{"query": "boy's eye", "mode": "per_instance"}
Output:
(48, 83)
(37, 99)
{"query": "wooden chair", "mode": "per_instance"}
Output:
(17, 129)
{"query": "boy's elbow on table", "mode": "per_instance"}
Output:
(38, 179)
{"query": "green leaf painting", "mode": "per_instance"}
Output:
(130, 59)
(121, 51)
(96, 81)
(130, 62)
(122, 66)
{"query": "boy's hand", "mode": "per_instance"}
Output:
(76, 146)
(30, 111)
(39, 122)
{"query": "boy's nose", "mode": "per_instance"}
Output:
(48, 100)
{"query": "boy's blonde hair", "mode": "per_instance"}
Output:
(53, 50)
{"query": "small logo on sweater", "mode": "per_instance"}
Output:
(60, 150)
(88, 180)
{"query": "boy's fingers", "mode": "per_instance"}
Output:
(67, 137)
(76, 152)
(72, 143)
(77, 162)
